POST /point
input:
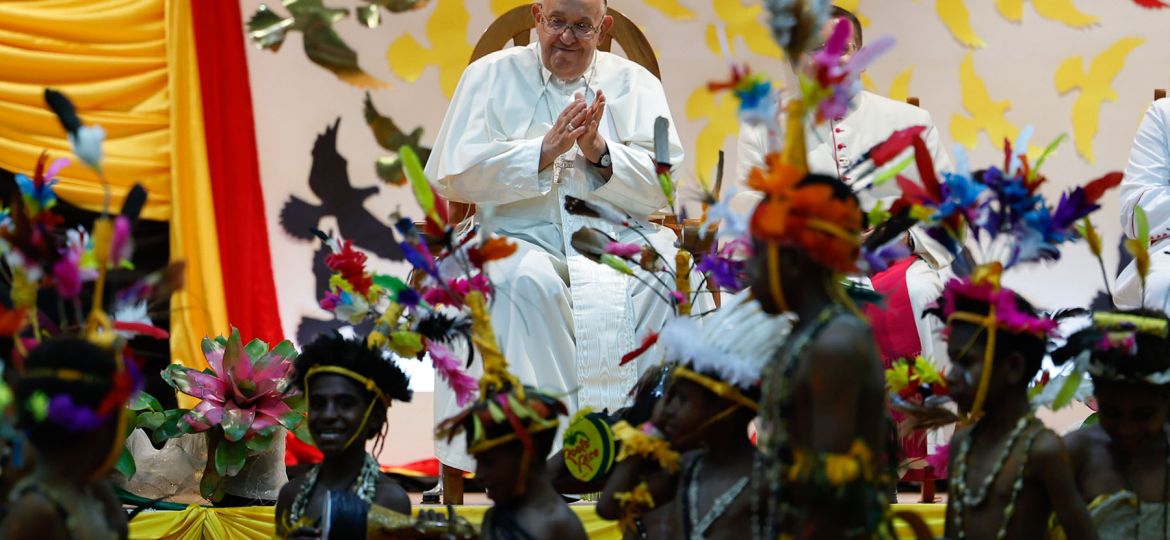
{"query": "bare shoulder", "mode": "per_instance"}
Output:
(391, 495)
(567, 526)
(1085, 439)
(845, 343)
(1048, 449)
(33, 516)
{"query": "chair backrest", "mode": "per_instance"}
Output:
(914, 101)
(1159, 93)
(516, 26)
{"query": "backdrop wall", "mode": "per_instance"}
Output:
(984, 73)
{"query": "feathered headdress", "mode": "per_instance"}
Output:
(41, 259)
(728, 352)
(1009, 223)
(450, 299)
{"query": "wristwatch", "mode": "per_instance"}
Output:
(603, 162)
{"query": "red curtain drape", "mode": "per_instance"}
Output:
(235, 170)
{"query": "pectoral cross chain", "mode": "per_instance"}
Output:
(559, 167)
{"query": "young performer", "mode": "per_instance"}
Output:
(1008, 472)
(71, 407)
(1122, 462)
(509, 431)
(348, 387)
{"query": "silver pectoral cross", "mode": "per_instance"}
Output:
(559, 167)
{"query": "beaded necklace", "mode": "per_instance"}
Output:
(365, 485)
(967, 499)
(773, 436)
(699, 526)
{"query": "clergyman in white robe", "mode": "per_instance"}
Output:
(1147, 184)
(563, 322)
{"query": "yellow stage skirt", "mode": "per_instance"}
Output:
(256, 523)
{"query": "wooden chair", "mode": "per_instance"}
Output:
(1159, 93)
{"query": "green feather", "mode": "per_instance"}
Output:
(419, 183)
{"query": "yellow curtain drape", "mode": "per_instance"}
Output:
(256, 523)
(110, 58)
(199, 309)
(130, 66)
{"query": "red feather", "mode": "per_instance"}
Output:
(911, 192)
(926, 170)
(647, 342)
(891, 147)
(1095, 189)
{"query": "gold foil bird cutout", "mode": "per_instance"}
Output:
(391, 137)
(370, 14)
(1095, 87)
(323, 46)
(1062, 11)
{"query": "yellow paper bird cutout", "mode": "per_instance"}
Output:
(986, 115)
(744, 22)
(854, 7)
(957, 18)
(1062, 11)
(673, 9)
(500, 7)
(1096, 88)
(450, 50)
(721, 113)
(899, 88)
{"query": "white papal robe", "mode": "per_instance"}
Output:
(1147, 184)
(563, 322)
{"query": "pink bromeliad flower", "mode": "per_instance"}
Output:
(246, 393)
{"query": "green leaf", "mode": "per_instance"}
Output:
(143, 401)
(1068, 390)
(256, 349)
(209, 346)
(1091, 420)
(259, 444)
(212, 486)
(125, 464)
(172, 426)
(230, 457)
(150, 421)
(496, 413)
(285, 349)
(236, 423)
(302, 433)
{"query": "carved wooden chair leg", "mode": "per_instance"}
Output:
(452, 479)
(928, 487)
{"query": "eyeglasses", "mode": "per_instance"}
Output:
(557, 26)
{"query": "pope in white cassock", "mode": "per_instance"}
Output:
(1147, 185)
(527, 126)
